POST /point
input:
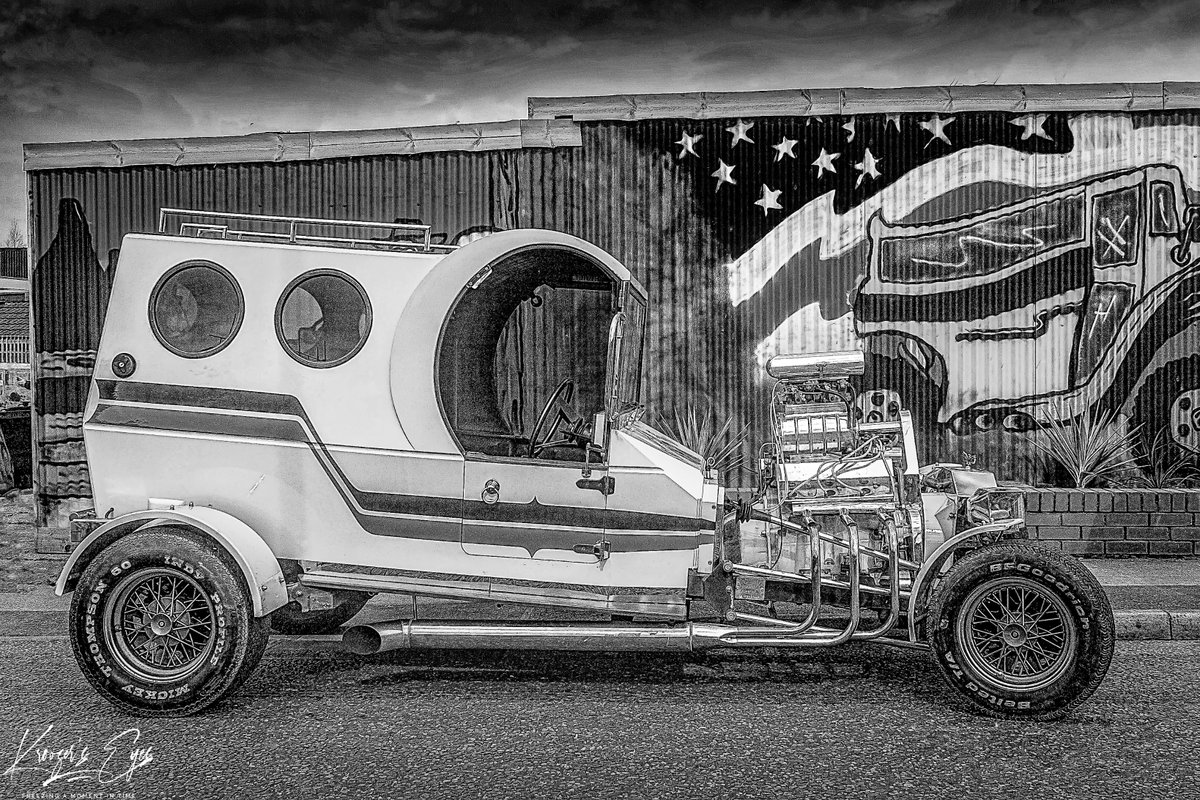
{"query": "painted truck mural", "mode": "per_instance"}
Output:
(1002, 271)
(1005, 275)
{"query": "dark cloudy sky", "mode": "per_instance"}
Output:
(75, 70)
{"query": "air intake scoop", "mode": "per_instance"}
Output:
(817, 366)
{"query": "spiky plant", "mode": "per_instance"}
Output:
(719, 445)
(1165, 467)
(1094, 448)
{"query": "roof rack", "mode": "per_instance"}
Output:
(397, 236)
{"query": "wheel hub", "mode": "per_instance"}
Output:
(161, 625)
(1016, 635)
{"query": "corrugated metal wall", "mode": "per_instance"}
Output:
(773, 260)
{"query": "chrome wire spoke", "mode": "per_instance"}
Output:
(1023, 600)
(1051, 639)
(1042, 657)
(992, 612)
(189, 649)
(170, 649)
(195, 604)
(139, 602)
(191, 626)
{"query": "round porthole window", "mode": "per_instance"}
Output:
(196, 309)
(323, 318)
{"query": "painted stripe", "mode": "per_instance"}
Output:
(390, 514)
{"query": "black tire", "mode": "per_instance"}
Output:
(1152, 407)
(1008, 663)
(217, 640)
(289, 619)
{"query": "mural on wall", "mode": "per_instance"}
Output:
(1000, 271)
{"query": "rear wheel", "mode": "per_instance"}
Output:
(1021, 631)
(161, 623)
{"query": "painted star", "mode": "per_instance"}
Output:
(937, 127)
(688, 143)
(892, 119)
(724, 174)
(867, 167)
(810, 120)
(824, 163)
(769, 199)
(784, 148)
(739, 132)
(1032, 125)
(849, 128)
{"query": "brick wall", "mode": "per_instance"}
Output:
(1116, 522)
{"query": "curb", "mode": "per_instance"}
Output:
(1157, 625)
(1131, 625)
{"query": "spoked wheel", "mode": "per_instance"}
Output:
(1017, 633)
(1021, 631)
(162, 623)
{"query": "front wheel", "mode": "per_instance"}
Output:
(1021, 631)
(162, 624)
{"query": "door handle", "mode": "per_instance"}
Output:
(599, 550)
(491, 492)
(605, 485)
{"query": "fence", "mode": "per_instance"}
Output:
(14, 351)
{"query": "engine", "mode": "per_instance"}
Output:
(840, 464)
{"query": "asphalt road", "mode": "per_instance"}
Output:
(853, 722)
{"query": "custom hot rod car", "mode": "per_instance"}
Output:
(290, 415)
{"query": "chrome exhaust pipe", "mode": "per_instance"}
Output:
(367, 640)
(381, 637)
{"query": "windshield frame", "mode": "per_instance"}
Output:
(626, 354)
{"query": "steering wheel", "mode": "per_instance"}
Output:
(557, 406)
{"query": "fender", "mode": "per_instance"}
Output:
(933, 564)
(258, 564)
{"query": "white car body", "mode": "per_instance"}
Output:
(357, 465)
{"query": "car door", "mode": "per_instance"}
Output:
(541, 508)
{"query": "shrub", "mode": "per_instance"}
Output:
(1093, 449)
(720, 446)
